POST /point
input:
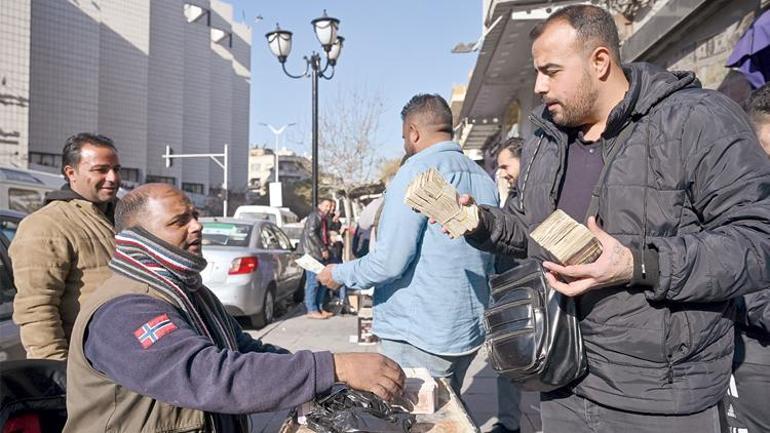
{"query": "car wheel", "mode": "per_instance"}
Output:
(267, 315)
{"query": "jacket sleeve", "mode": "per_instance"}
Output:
(729, 187)
(754, 311)
(312, 236)
(500, 231)
(183, 368)
(399, 237)
(41, 258)
(247, 343)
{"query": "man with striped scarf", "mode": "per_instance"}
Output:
(154, 351)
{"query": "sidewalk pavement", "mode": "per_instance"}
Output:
(295, 332)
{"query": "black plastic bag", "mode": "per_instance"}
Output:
(349, 411)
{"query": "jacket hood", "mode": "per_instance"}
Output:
(64, 194)
(67, 194)
(648, 86)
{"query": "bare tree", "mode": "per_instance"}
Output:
(348, 143)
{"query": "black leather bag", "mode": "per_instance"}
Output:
(533, 335)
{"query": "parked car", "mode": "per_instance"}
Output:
(251, 267)
(10, 341)
(9, 222)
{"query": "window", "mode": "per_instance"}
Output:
(8, 228)
(267, 239)
(46, 159)
(19, 176)
(24, 200)
(226, 234)
(160, 179)
(129, 174)
(194, 188)
(283, 241)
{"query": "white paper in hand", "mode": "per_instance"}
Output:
(310, 264)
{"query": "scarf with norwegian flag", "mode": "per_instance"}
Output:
(175, 273)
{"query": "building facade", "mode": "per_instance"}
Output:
(291, 168)
(148, 74)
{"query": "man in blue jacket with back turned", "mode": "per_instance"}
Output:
(430, 291)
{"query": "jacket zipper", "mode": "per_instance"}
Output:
(561, 147)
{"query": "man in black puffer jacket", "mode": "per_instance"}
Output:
(682, 209)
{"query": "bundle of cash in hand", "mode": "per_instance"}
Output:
(568, 241)
(433, 197)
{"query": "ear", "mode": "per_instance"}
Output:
(601, 62)
(69, 172)
(414, 133)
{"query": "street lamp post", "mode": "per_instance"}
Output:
(277, 132)
(279, 42)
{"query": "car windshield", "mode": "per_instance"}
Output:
(227, 234)
(258, 216)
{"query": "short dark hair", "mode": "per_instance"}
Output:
(594, 25)
(759, 104)
(325, 198)
(513, 145)
(70, 154)
(433, 108)
(128, 208)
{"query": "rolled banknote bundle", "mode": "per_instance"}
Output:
(431, 195)
(568, 241)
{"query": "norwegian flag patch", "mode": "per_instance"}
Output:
(152, 331)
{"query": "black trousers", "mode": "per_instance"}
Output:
(565, 412)
(748, 400)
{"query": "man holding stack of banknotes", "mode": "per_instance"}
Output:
(672, 184)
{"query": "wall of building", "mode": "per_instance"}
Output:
(241, 82)
(15, 20)
(709, 43)
(124, 47)
(165, 90)
(64, 76)
(135, 70)
(196, 81)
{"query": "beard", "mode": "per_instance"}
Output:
(576, 110)
(409, 149)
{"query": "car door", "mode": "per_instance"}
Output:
(283, 260)
(293, 270)
(272, 251)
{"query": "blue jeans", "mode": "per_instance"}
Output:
(315, 294)
(408, 356)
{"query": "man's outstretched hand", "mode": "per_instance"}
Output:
(463, 200)
(615, 266)
(326, 278)
(370, 372)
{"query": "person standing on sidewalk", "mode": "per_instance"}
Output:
(430, 292)
(61, 251)
(153, 350)
(315, 243)
(749, 389)
(508, 393)
(669, 177)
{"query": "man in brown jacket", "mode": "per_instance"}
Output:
(60, 252)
